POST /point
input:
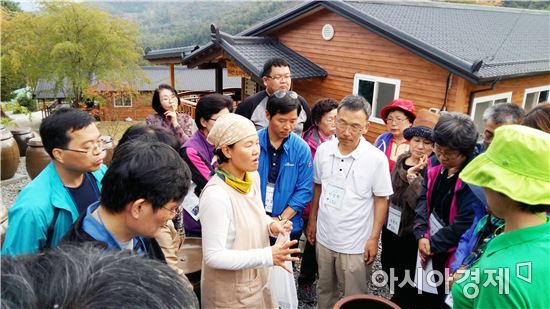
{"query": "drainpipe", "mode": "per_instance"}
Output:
(447, 88)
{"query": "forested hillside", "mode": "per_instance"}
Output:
(172, 24)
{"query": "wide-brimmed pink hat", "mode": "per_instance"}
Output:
(405, 106)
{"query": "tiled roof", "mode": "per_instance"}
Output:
(45, 90)
(186, 80)
(169, 52)
(252, 52)
(480, 43)
(510, 42)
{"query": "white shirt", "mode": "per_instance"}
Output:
(218, 234)
(361, 175)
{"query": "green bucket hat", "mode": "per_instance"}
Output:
(516, 164)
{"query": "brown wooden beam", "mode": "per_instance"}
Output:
(172, 76)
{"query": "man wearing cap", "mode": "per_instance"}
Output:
(398, 116)
(349, 206)
(276, 75)
(286, 168)
(513, 270)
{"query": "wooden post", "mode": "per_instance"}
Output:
(219, 78)
(172, 77)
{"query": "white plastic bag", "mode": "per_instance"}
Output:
(281, 282)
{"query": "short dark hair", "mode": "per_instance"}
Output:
(209, 105)
(156, 98)
(221, 157)
(150, 170)
(273, 62)
(456, 131)
(55, 129)
(149, 134)
(85, 276)
(538, 117)
(282, 105)
(322, 107)
(504, 113)
(355, 103)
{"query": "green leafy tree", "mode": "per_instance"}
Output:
(72, 44)
(11, 6)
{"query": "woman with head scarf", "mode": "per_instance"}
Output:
(513, 269)
(397, 116)
(165, 102)
(399, 246)
(236, 229)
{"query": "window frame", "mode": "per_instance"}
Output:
(531, 90)
(122, 97)
(493, 98)
(376, 79)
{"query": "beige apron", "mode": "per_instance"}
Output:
(244, 288)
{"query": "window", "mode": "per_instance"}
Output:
(379, 91)
(122, 101)
(534, 96)
(481, 104)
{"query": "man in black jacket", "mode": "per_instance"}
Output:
(141, 191)
(275, 76)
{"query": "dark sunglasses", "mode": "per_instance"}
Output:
(279, 94)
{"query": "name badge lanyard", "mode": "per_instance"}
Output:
(335, 191)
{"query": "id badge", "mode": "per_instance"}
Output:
(394, 220)
(334, 194)
(269, 191)
(435, 224)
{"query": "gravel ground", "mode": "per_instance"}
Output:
(11, 187)
(375, 290)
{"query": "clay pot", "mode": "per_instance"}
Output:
(37, 157)
(22, 136)
(9, 154)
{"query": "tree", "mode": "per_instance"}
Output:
(11, 6)
(72, 44)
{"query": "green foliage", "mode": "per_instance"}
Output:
(27, 103)
(70, 40)
(20, 109)
(175, 24)
(533, 5)
(11, 6)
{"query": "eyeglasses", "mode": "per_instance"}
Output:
(279, 77)
(213, 119)
(174, 211)
(102, 144)
(451, 155)
(353, 128)
(279, 94)
(395, 120)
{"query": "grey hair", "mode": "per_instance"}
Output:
(456, 131)
(85, 276)
(355, 103)
(505, 113)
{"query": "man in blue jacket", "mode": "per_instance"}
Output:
(46, 207)
(285, 168)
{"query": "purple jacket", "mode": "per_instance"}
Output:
(198, 155)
